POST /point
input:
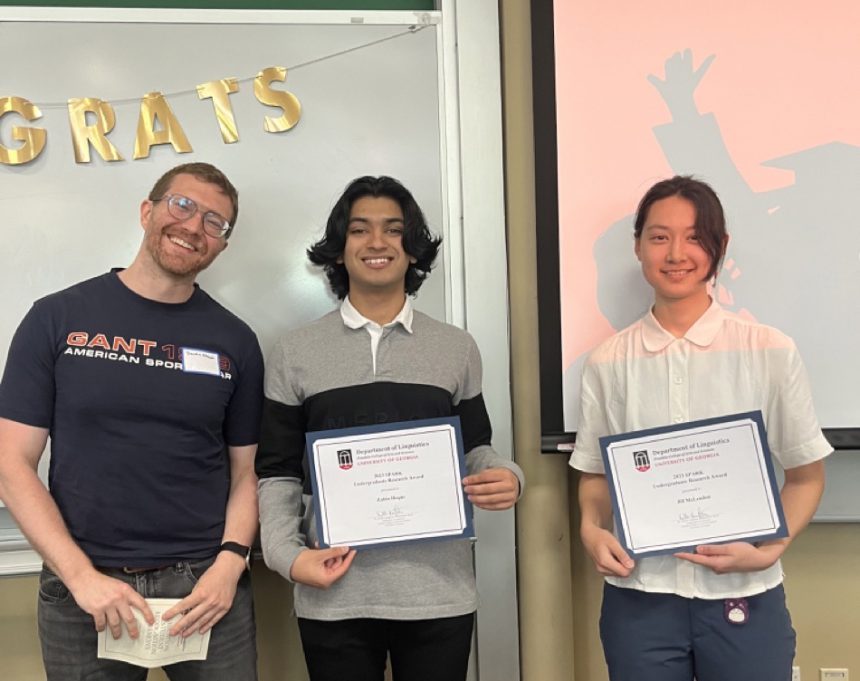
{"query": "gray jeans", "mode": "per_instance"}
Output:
(69, 638)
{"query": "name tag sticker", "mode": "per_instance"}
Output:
(201, 362)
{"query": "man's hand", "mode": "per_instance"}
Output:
(609, 557)
(735, 557)
(110, 601)
(210, 599)
(321, 568)
(494, 489)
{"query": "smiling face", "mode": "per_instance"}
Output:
(673, 261)
(373, 253)
(181, 248)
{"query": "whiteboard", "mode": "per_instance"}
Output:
(63, 222)
(839, 503)
(372, 103)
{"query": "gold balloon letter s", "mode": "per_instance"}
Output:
(284, 100)
(33, 138)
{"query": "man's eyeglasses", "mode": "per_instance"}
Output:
(182, 208)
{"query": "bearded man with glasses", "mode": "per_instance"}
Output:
(151, 392)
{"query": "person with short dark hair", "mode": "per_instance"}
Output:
(375, 360)
(718, 612)
(151, 393)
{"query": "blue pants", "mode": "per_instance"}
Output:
(69, 637)
(664, 637)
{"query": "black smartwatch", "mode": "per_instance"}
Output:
(238, 549)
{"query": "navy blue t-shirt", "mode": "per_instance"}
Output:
(141, 399)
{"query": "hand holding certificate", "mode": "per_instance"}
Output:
(389, 483)
(155, 647)
(699, 483)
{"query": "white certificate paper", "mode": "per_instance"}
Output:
(389, 483)
(705, 482)
(155, 647)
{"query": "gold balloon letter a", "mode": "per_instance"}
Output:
(153, 106)
(33, 138)
(284, 100)
(96, 134)
(218, 91)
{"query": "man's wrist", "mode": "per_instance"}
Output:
(238, 550)
(76, 573)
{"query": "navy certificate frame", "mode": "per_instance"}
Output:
(647, 442)
(354, 457)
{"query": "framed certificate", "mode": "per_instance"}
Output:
(389, 483)
(703, 482)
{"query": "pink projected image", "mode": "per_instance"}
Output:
(755, 99)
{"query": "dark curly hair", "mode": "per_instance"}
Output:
(710, 220)
(418, 241)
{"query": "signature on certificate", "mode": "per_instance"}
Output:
(394, 512)
(701, 517)
(393, 516)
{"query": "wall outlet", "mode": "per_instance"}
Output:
(833, 674)
(795, 674)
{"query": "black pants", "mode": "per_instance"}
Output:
(356, 649)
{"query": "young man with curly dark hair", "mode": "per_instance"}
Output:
(375, 360)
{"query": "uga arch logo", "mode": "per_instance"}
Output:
(641, 460)
(344, 458)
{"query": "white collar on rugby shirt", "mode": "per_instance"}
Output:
(355, 320)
